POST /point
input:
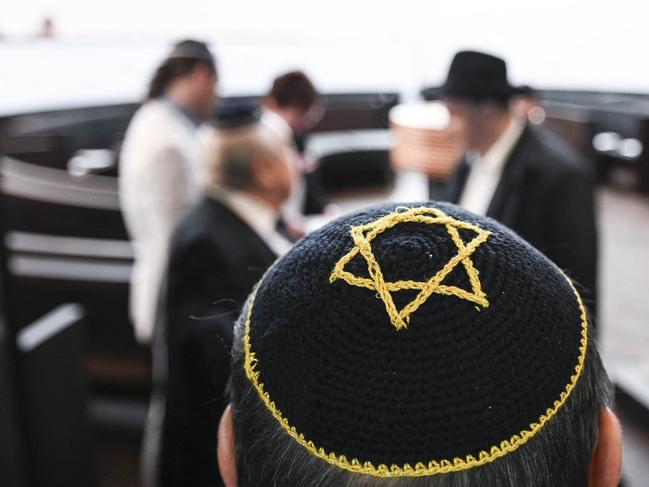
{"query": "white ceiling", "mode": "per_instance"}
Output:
(105, 51)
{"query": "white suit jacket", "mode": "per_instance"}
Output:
(157, 185)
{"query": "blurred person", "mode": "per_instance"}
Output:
(417, 345)
(220, 249)
(47, 30)
(157, 174)
(291, 108)
(526, 105)
(518, 173)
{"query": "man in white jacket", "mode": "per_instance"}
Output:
(157, 168)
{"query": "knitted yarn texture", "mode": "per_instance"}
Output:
(414, 340)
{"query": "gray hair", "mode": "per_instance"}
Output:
(228, 155)
(559, 455)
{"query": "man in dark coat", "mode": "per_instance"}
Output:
(521, 175)
(220, 250)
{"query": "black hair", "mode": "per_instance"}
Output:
(559, 455)
(294, 89)
(174, 68)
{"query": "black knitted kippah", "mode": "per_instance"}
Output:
(411, 341)
(235, 115)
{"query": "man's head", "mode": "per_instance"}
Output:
(526, 105)
(247, 156)
(477, 94)
(294, 97)
(189, 77)
(417, 347)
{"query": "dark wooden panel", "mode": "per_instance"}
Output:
(356, 111)
(51, 150)
(12, 454)
(355, 170)
(41, 217)
(53, 384)
(577, 130)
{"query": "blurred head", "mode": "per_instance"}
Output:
(478, 123)
(189, 77)
(322, 364)
(526, 105)
(294, 97)
(477, 94)
(253, 159)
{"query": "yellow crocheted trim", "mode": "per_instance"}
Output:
(363, 236)
(422, 468)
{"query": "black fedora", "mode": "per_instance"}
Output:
(477, 76)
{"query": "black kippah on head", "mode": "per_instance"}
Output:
(235, 115)
(412, 341)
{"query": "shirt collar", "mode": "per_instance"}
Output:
(257, 214)
(494, 159)
(193, 120)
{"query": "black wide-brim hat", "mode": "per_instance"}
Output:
(413, 340)
(477, 76)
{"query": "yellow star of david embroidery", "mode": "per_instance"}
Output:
(363, 236)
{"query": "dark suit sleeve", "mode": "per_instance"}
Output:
(456, 181)
(198, 323)
(573, 240)
(201, 310)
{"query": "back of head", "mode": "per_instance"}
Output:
(238, 138)
(295, 90)
(415, 346)
(181, 61)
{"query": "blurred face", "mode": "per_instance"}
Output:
(275, 174)
(472, 122)
(284, 173)
(204, 84)
(301, 120)
(528, 108)
(464, 120)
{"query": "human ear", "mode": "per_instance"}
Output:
(225, 451)
(606, 462)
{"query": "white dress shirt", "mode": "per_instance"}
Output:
(258, 215)
(277, 124)
(486, 171)
(157, 184)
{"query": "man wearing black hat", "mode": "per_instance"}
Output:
(417, 345)
(220, 249)
(157, 168)
(519, 174)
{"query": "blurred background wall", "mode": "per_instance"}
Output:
(344, 45)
